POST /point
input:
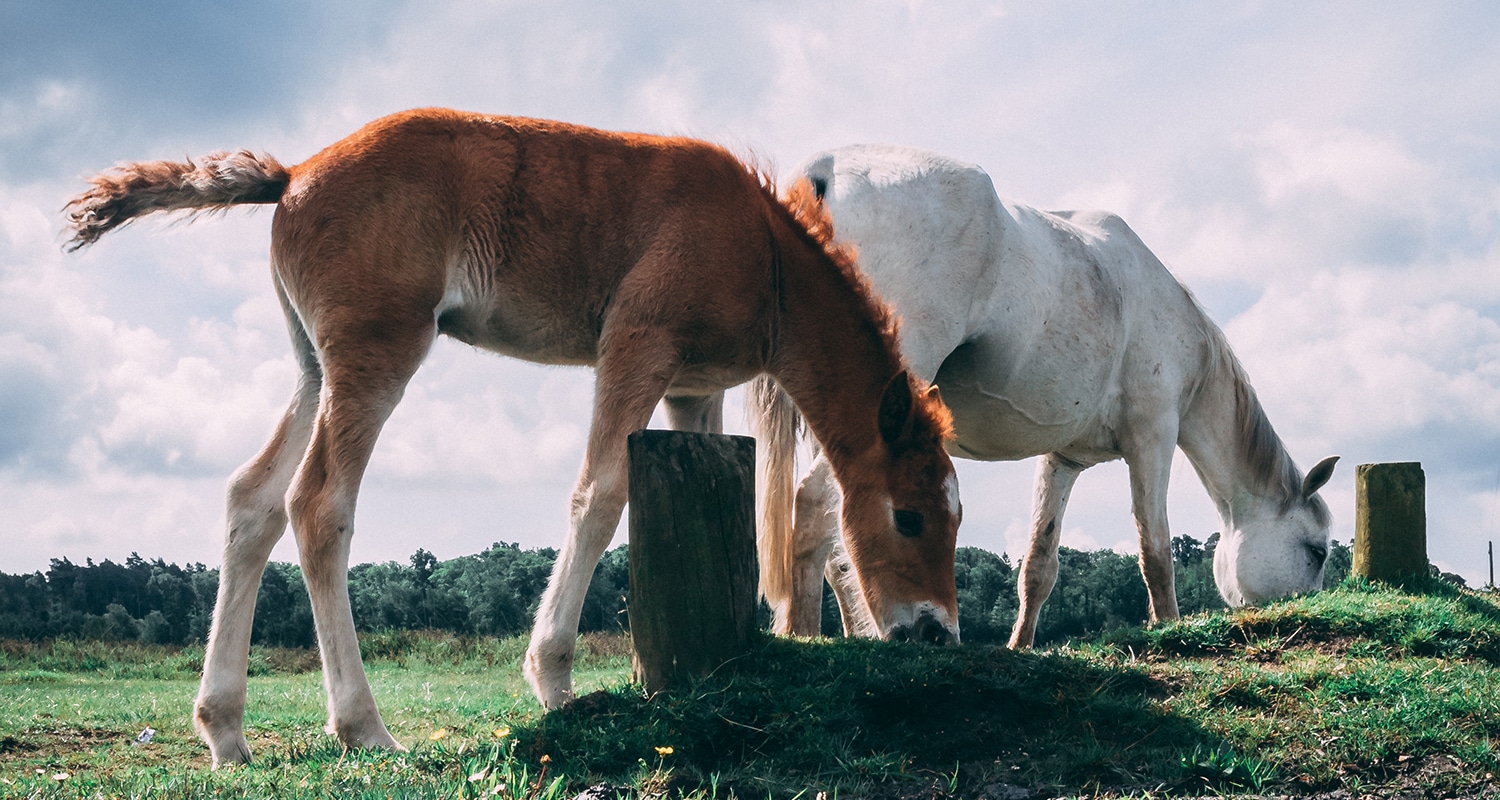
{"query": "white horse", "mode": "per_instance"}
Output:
(1056, 334)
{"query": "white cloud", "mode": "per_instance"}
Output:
(1347, 164)
(1325, 183)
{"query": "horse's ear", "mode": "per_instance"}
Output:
(896, 409)
(1318, 475)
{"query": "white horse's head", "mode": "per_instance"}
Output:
(1274, 549)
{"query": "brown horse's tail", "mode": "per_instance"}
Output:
(775, 421)
(216, 182)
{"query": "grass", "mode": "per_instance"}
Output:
(1363, 689)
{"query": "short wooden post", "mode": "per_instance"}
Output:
(1390, 522)
(692, 553)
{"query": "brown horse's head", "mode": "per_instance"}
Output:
(900, 517)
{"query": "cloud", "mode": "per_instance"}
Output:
(81, 79)
(1326, 183)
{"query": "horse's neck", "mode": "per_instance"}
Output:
(829, 353)
(1231, 444)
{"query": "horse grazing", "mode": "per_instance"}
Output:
(1056, 334)
(664, 263)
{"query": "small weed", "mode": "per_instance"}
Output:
(1221, 767)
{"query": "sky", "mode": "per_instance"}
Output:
(1324, 176)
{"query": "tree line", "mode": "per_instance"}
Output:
(496, 593)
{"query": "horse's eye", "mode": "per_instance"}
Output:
(1319, 554)
(909, 523)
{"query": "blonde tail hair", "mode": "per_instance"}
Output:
(212, 183)
(775, 421)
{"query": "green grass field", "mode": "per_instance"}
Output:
(1363, 690)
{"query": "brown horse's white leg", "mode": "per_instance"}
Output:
(854, 613)
(1054, 480)
(814, 532)
(256, 520)
(1150, 463)
(626, 390)
(702, 414)
(364, 380)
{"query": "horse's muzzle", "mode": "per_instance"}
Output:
(926, 629)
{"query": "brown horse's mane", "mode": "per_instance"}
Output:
(810, 218)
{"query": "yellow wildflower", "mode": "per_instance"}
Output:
(438, 734)
(546, 759)
(664, 751)
(501, 733)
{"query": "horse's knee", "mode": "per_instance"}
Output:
(599, 500)
(1040, 566)
(255, 509)
(322, 527)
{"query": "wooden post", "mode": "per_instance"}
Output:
(1390, 522)
(692, 553)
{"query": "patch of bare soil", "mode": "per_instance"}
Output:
(62, 740)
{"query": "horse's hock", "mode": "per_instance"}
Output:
(692, 553)
(1390, 522)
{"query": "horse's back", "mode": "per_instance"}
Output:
(523, 236)
(1041, 320)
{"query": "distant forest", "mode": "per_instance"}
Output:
(496, 593)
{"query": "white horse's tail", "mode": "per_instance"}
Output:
(775, 421)
(218, 181)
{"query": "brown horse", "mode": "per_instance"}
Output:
(664, 263)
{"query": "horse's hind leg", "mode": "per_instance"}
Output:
(364, 379)
(1054, 480)
(702, 414)
(256, 520)
(627, 387)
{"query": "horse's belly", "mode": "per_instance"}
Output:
(703, 379)
(1005, 411)
(996, 428)
(534, 335)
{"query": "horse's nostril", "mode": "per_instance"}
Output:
(931, 631)
(926, 629)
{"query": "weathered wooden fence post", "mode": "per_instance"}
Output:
(692, 553)
(1390, 522)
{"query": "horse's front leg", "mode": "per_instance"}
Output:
(1054, 481)
(1150, 464)
(626, 389)
(815, 530)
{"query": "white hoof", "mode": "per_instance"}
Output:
(549, 670)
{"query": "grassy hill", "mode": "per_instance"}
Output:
(1356, 691)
